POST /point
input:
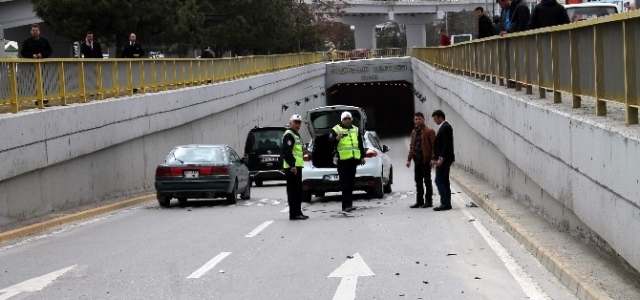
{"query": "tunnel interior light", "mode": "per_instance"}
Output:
(298, 102)
(250, 87)
(315, 96)
(322, 94)
(285, 107)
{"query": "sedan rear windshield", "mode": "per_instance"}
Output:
(196, 155)
(265, 139)
(585, 13)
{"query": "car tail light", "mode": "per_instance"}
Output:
(372, 182)
(219, 171)
(306, 157)
(370, 154)
(168, 172)
(246, 155)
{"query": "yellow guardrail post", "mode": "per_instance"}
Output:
(539, 66)
(598, 63)
(143, 82)
(192, 78)
(100, 92)
(129, 79)
(154, 77)
(13, 87)
(116, 83)
(555, 68)
(575, 69)
(165, 83)
(81, 82)
(527, 67)
(62, 84)
(39, 93)
(517, 61)
(629, 63)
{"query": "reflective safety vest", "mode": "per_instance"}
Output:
(348, 144)
(297, 150)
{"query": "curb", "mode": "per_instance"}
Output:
(568, 275)
(42, 226)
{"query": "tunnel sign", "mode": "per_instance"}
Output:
(394, 69)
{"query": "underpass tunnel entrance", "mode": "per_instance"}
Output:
(389, 105)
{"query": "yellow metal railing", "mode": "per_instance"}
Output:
(27, 83)
(594, 58)
(367, 54)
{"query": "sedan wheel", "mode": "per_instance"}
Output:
(258, 183)
(387, 187)
(377, 191)
(164, 200)
(246, 194)
(232, 198)
(182, 200)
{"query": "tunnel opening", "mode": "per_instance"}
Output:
(389, 105)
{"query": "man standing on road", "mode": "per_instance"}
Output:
(292, 153)
(485, 25)
(442, 159)
(421, 152)
(445, 40)
(132, 49)
(348, 141)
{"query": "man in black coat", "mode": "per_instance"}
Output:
(36, 46)
(485, 26)
(90, 48)
(442, 159)
(515, 16)
(548, 13)
(132, 49)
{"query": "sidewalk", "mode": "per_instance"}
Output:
(586, 272)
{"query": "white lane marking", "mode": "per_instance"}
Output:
(286, 209)
(526, 282)
(66, 228)
(32, 285)
(349, 271)
(258, 229)
(209, 265)
(403, 197)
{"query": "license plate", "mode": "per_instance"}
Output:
(191, 174)
(331, 177)
(269, 159)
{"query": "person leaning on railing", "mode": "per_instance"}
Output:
(36, 46)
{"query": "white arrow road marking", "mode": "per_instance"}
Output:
(286, 209)
(32, 285)
(258, 229)
(349, 271)
(209, 265)
(526, 282)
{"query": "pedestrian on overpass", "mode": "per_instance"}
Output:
(421, 151)
(292, 152)
(443, 158)
(348, 141)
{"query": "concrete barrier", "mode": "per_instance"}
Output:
(580, 174)
(66, 156)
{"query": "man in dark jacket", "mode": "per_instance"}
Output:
(442, 159)
(132, 49)
(515, 16)
(485, 26)
(90, 48)
(36, 46)
(548, 13)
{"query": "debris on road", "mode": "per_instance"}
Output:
(221, 271)
(397, 274)
(477, 278)
(471, 204)
(425, 282)
(417, 263)
(349, 257)
(450, 254)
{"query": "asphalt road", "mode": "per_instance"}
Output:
(208, 250)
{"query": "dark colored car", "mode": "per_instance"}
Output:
(202, 171)
(262, 150)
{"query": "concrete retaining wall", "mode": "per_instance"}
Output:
(65, 156)
(578, 173)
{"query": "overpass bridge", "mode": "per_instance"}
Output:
(560, 139)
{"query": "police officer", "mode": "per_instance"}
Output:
(292, 152)
(348, 141)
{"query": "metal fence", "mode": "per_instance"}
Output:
(26, 83)
(594, 58)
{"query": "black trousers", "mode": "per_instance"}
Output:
(422, 176)
(347, 173)
(294, 192)
(444, 184)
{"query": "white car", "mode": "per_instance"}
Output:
(320, 173)
(585, 11)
